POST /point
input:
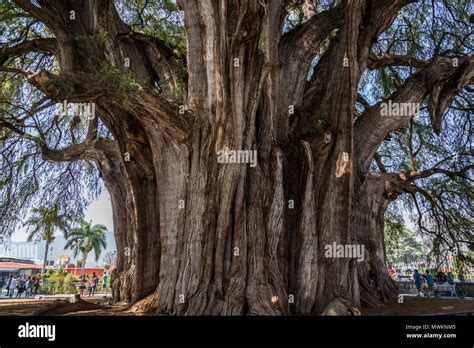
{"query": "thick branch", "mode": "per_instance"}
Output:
(360, 99)
(164, 59)
(443, 94)
(13, 128)
(377, 62)
(38, 13)
(88, 149)
(371, 128)
(308, 36)
(378, 16)
(46, 45)
(435, 170)
(378, 160)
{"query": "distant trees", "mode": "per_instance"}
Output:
(85, 239)
(401, 244)
(110, 258)
(44, 221)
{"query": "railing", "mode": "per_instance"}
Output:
(462, 289)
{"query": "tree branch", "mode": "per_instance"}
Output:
(434, 170)
(88, 149)
(363, 101)
(308, 36)
(378, 160)
(164, 59)
(13, 128)
(44, 45)
(16, 71)
(377, 62)
(379, 15)
(444, 92)
(371, 128)
(38, 13)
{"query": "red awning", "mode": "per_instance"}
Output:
(18, 266)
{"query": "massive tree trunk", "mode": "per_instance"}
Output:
(375, 284)
(196, 236)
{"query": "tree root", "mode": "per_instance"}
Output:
(75, 304)
(146, 305)
(340, 307)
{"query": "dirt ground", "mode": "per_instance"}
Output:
(411, 306)
(29, 306)
(424, 306)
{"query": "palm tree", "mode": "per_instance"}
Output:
(45, 221)
(86, 238)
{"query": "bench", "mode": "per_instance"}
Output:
(446, 287)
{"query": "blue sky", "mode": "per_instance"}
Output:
(100, 212)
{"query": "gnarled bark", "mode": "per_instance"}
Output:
(195, 236)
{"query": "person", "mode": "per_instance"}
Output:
(104, 281)
(450, 278)
(88, 285)
(12, 286)
(36, 285)
(82, 285)
(429, 280)
(9, 282)
(417, 277)
(440, 278)
(21, 286)
(29, 287)
(93, 284)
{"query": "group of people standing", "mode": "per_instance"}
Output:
(27, 286)
(23, 285)
(89, 283)
(427, 277)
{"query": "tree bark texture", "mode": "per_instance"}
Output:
(195, 236)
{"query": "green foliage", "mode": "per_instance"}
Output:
(86, 238)
(44, 221)
(58, 282)
(422, 30)
(178, 93)
(64, 86)
(462, 262)
(123, 81)
(401, 243)
(461, 291)
(80, 262)
(442, 207)
(157, 18)
(84, 42)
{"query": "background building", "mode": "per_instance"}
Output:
(17, 266)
